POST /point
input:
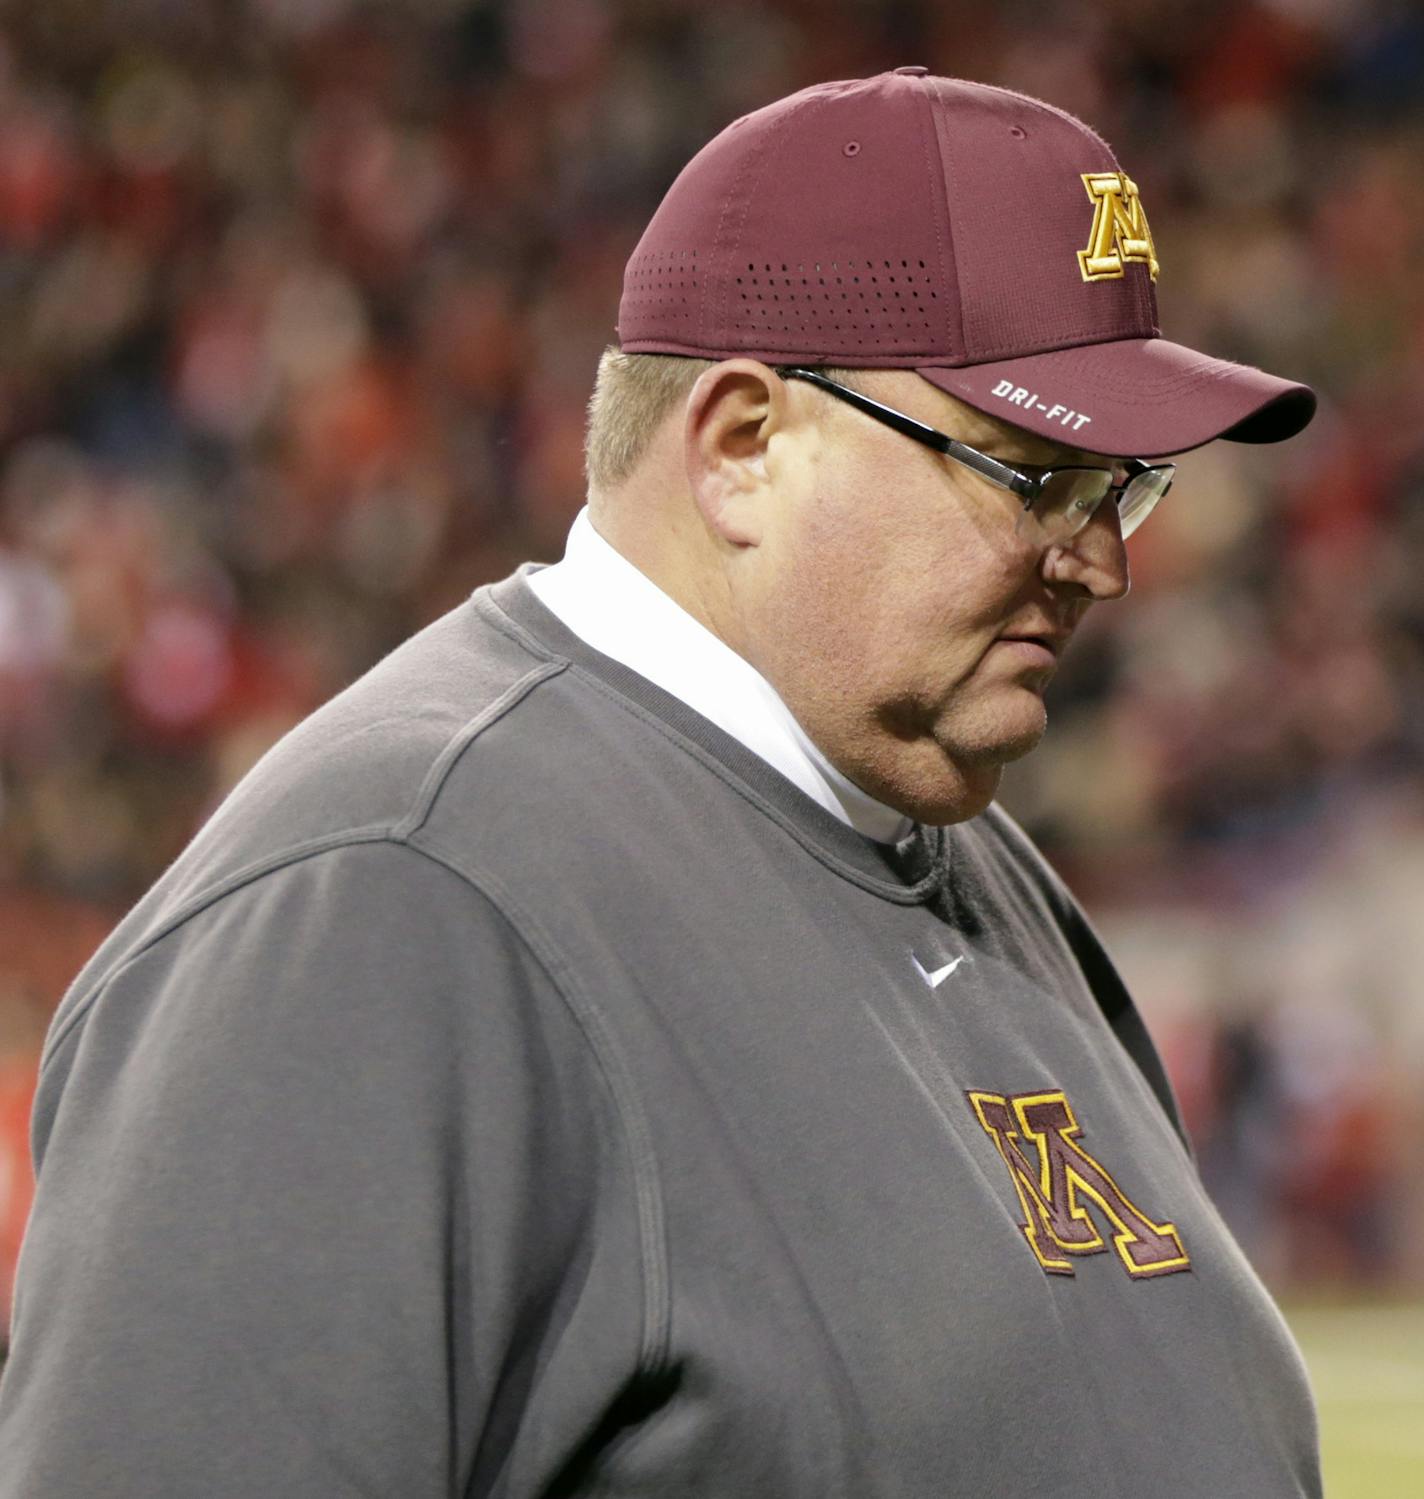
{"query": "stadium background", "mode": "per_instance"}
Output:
(300, 302)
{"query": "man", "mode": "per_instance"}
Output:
(617, 1047)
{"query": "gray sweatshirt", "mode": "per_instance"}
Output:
(519, 1088)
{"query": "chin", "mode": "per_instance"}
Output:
(936, 790)
(948, 771)
(995, 740)
(938, 807)
(963, 775)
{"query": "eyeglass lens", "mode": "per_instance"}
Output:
(1069, 496)
(1141, 495)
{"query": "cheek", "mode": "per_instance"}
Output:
(875, 544)
(925, 586)
(888, 585)
(887, 617)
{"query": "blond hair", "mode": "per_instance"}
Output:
(632, 394)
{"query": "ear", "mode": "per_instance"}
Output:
(732, 413)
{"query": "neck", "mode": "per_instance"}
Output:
(676, 553)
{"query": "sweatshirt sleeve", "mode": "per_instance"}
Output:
(326, 1177)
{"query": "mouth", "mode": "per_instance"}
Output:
(1036, 648)
(1034, 651)
(1050, 640)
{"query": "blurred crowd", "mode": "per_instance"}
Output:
(300, 303)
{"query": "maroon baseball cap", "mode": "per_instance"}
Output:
(986, 240)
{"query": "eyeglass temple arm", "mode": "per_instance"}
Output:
(1010, 478)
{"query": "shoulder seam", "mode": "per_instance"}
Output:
(588, 1019)
(425, 796)
(500, 619)
(460, 741)
(198, 903)
(602, 1042)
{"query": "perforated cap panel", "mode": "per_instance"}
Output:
(802, 307)
(811, 236)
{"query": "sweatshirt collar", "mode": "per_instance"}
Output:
(609, 604)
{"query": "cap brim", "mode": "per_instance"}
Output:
(1132, 398)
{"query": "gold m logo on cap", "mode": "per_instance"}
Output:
(1060, 1187)
(1120, 236)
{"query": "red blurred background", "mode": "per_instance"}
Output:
(300, 303)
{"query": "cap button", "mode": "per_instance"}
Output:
(914, 72)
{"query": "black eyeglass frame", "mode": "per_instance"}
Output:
(1026, 480)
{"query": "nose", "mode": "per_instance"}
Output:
(1094, 560)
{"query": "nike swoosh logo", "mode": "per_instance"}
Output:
(935, 977)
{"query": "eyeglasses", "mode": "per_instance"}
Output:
(1061, 499)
